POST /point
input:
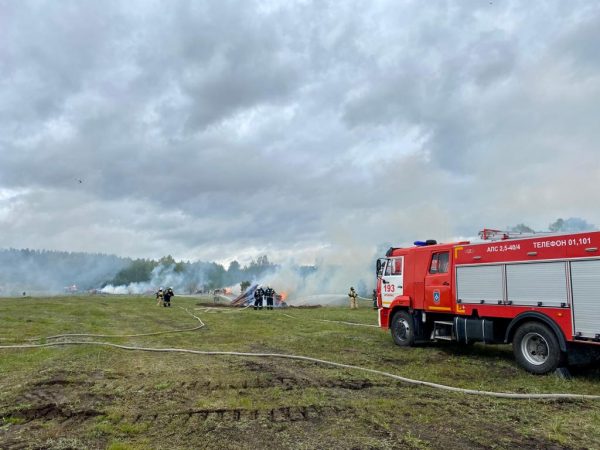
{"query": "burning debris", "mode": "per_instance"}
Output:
(247, 298)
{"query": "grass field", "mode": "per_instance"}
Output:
(75, 397)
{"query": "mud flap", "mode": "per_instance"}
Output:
(421, 332)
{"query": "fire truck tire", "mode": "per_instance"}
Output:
(403, 329)
(536, 348)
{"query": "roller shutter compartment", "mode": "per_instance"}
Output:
(476, 284)
(537, 284)
(585, 282)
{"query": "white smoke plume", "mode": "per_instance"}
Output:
(44, 272)
(329, 283)
(163, 276)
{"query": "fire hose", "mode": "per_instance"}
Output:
(227, 310)
(336, 321)
(182, 330)
(508, 395)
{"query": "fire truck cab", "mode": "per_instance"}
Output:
(541, 293)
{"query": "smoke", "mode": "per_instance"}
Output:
(189, 281)
(329, 281)
(571, 225)
(49, 272)
(349, 264)
(344, 264)
(130, 289)
(326, 283)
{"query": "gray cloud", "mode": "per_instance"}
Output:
(222, 130)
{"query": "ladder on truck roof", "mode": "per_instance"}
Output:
(487, 234)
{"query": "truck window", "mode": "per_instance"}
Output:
(388, 267)
(439, 263)
(397, 266)
(443, 262)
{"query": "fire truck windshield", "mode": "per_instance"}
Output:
(380, 266)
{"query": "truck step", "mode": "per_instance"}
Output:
(442, 330)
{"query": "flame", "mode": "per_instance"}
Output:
(283, 295)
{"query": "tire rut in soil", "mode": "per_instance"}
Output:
(13, 444)
(281, 414)
(286, 383)
(276, 375)
(49, 411)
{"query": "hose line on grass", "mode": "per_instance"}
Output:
(323, 362)
(287, 356)
(69, 335)
(335, 321)
(227, 309)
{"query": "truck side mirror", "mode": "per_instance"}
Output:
(378, 269)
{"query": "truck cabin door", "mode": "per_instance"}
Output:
(437, 283)
(392, 280)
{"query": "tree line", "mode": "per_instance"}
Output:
(194, 276)
(570, 225)
(54, 270)
(48, 270)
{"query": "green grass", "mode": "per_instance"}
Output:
(101, 397)
(12, 420)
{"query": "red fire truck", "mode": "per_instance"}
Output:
(541, 293)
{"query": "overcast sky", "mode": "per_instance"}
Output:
(216, 130)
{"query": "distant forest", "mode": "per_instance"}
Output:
(51, 271)
(54, 271)
(570, 225)
(191, 276)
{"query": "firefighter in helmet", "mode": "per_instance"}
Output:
(269, 294)
(258, 297)
(353, 296)
(160, 297)
(169, 294)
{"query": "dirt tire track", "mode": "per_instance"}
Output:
(283, 414)
(48, 411)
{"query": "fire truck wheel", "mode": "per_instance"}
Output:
(403, 329)
(536, 348)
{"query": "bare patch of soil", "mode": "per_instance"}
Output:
(54, 411)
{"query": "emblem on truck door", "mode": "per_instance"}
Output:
(436, 296)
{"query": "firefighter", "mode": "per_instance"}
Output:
(169, 294)
(269, 294)
(160, 297)
(375, 299)
(258, 297)
(353, 295)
